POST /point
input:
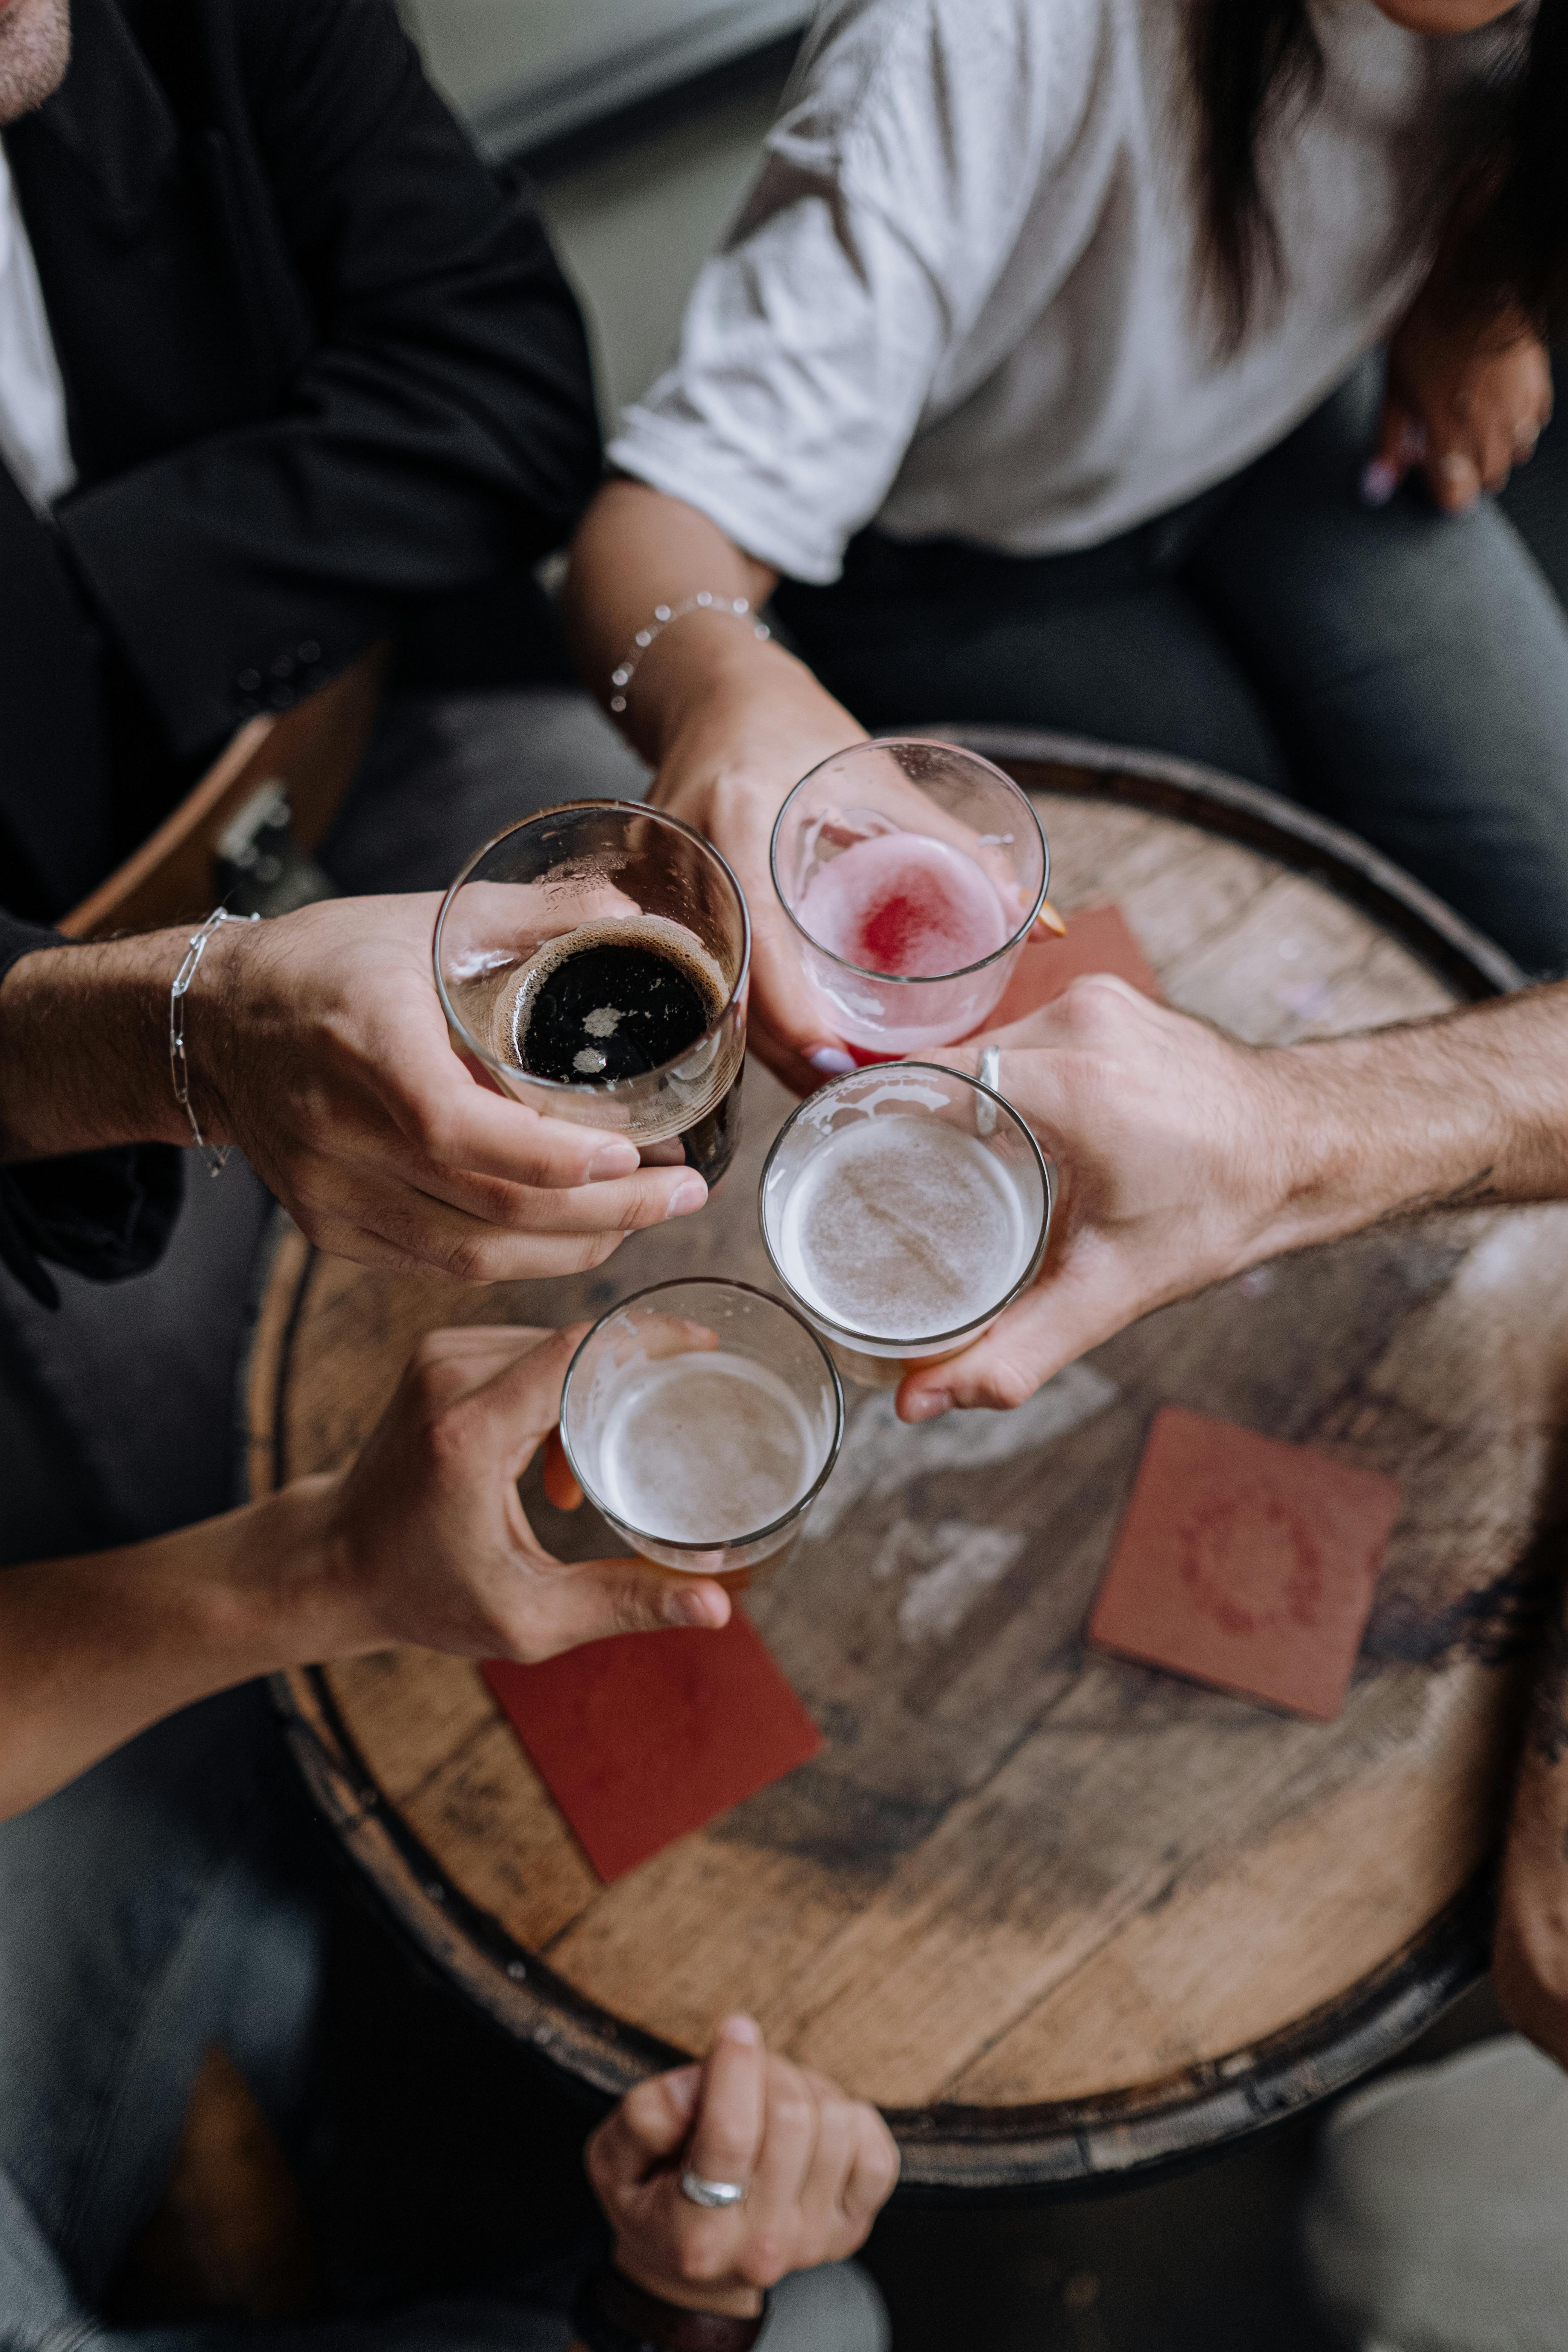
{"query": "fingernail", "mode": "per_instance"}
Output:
(828, 1062)
(692, 1609)
(615, 1159)
(686, 1198)
(742, 2029)
(1378, 483)
(928, 1405)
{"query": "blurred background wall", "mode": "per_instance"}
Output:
(640, 122)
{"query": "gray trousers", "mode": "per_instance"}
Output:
(1438, 2220)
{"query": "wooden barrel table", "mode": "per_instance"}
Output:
(1060, 1916)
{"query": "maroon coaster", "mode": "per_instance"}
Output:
(1246, 1562)
(645, 1736)
(1098, 939)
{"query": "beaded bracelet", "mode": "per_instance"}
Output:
(665, 617)
(215, 1154)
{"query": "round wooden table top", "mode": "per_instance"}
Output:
(1059, 1915)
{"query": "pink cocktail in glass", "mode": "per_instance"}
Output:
(913, 871)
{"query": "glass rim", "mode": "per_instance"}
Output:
(873, 1339)
(912, 979)
(727, 1543)
(588, 1090)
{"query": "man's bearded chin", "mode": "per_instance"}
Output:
(35, 50)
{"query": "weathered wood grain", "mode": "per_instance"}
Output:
(1058, 1912)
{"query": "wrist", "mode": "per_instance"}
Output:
(84, 1047)
(737, 2301)
(615, 2313)
(288, 1593)
(1364, 1128)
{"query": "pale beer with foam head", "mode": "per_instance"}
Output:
(701, 1419)
(903, 1208)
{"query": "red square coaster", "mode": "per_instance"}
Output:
(1098, 939)
(646, 1736)
(1246, 1562)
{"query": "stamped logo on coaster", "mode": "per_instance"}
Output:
(1246, 1562)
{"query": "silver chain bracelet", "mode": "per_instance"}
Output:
(665, 617)
(215, 1154)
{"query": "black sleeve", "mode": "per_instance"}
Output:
(440, 429)
(105, 1215)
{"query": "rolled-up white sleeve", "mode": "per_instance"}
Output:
(893, 188)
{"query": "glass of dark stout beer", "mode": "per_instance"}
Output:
(594, 962)
(703, 1419)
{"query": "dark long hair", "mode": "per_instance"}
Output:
(1256, 63)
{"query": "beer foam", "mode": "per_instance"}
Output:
(902, 1228)
(703, 1449)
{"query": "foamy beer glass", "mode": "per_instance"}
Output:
(912, 872)
(595, 961)
(903, 1208)
(701, 1419)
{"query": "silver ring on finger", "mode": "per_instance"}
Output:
(990, 1075)
(716, 2195)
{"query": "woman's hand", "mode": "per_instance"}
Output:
(429, 1542)
(816, 2167)
(728, 772)
(1465, 403)
(729, 724)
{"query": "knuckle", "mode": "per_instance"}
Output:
(469, 1259)
(765, 2261)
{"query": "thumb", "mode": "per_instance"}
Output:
(601, 1597)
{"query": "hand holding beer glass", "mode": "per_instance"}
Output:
(701, 1419)
(904, 1208)
(593, 962)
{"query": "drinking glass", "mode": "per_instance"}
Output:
(586, 867)
(701, 1419)
(902, 1243)
(913, 871)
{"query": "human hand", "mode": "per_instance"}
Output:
(428, 1540)
(317, 1044)
(728, 772)
(817, 2164)
(1464, 403)
(1173, 1145)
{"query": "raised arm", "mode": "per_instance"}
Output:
(423, 1540)
(729, 721)
(1185, 1156)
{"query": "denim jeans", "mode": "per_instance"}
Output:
(1401, 671)
(168, 1899)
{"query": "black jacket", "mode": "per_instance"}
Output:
(323, 378)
